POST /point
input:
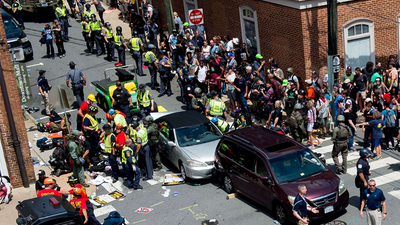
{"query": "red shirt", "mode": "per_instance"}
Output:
(84, 195)
(214, 79)
(79, 202)
(45, 192)
(84, 108)
(120, 139)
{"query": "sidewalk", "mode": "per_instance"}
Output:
(8, 211)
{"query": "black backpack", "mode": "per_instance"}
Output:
(156, 15)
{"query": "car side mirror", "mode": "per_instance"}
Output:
(265, 180)
(171, 144)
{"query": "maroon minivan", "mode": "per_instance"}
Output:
(267, 167)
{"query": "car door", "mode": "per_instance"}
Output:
(166, 135)
(244, 161)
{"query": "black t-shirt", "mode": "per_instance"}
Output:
(368, 115)
(367, 73)
(349, 116)
(277, 113)
(39, 184)
(181, 49)
(217, 69)
(378, 106)
(361, 82)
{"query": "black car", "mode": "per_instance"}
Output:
(18, 44)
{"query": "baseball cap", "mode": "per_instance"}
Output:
(274, 64)
(308, 81)
(259, 56)
(230, 54)
(368, 100)
(347, 81)
(285, 82)
(348, 68)
(118, 83)
(41, 72)
(41, 172)
(314, 72)
(72, 63)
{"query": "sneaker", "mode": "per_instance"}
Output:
(60, 56)
(52, 57)
(138, 187)
(114, 180)
(63, 55)
(86, 185)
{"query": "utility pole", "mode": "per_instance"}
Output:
(169, 15)
(332, 49)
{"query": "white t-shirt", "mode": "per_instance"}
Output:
(202, 73)
(231, 77)
(149, 9)
(229, 46)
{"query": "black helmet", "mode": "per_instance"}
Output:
(134, 124)
(135, 118)
(85, 17)
(72, 179)
(87, 5)
(107, 24)
(118, 29)
(213, 93)
(135, 34)
(365, 152)
(93, 16)
(302, 92)
(60, 2)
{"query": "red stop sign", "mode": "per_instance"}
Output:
(196, 17)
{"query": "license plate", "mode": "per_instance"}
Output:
(328, 209)
(44, 4)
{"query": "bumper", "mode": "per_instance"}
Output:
(27, 48)
(338, 206)
(199, 172)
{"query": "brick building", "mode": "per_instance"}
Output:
(8, 160)
(295, 32)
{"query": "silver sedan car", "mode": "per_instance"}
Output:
(188, 140)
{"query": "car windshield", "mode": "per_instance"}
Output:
(9, 24)
(197, 134)
(296, 166)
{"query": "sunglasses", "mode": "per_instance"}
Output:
(372, 185)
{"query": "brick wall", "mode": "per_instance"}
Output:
(5, 132)
(297, 38)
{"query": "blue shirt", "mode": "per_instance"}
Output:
(300, 206)
(374, 199)
(376, 128)
(385, 113)
(337, 105)
(327, 97)
(257, 65)
(48, 33)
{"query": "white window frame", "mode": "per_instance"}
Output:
(371, 35)
(185, 2)
(242, 26)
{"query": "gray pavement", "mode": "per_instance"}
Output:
(193, 204)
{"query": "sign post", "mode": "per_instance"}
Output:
(333, 68)
(196, 17)
(24, 88)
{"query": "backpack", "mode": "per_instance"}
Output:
(344, 132)
(390, 121)
(59, 153)
(114, 218)
(293, 123)
(41, 127)
(156, 14)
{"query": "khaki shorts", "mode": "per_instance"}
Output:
(323, 122)
(301, 222)
(124, 7)
(363, 95)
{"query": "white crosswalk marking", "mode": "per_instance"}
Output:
(386, 178)
(325, 149)
(350, 157)
(104, 210)
(375, 165)
(395, 193)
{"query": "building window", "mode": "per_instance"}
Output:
(359, 43)
(248, 22)
(189, 5)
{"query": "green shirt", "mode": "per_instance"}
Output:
(345, 76)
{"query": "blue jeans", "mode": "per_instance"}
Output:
(114, 166)
(175, 58)
(223, 87)
(351, 140)
(243, 103)
(182, 86)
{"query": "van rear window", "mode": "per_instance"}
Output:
(280, 146)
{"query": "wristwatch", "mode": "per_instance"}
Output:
(385, 213)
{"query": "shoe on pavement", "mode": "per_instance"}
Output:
(160, 95)
(86, 185)
(338, 172)
(114, 180)
(138, 187)
(144, 179)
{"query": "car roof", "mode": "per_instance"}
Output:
(267, 141)
(184, 119)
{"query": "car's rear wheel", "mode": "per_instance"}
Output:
(182, 169)
(280, 213)
(228, 184)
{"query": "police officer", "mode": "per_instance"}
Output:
(341, 135)
(92, 130)
(78, 81)
(17, 11)
(131, 170)
(363, 172)
(143, 149)
(75, 150)
(164, 67)
(88, 11)
(182, 74)
(39, 184)
(108, 138)
(85, 32)
(44, 88)
(137, 48)
(95, 35)
(239, 121)
(189, 91)
(61, 15)
(216, 107)
(119, 42)
(222, 125)
(296, 124)
(152, 133)
(152, 62)
(200, 101)
(145, 101)
(122, 100)
(109, 40)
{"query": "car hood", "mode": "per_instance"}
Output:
(317, 185)
(13, 34)
(202, 152)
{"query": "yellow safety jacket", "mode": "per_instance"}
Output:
(95, 25)
(117, 40)
(144, 98)
(88, 14)
(128, 152)
(148, 58)
(120, 119)
(135, 44)
(61, 12)
(108, 143)
(216, 107)
(108, 33)
(142, 134)
(85, 27)
(93, 122)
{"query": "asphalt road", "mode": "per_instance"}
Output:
(193, 203)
